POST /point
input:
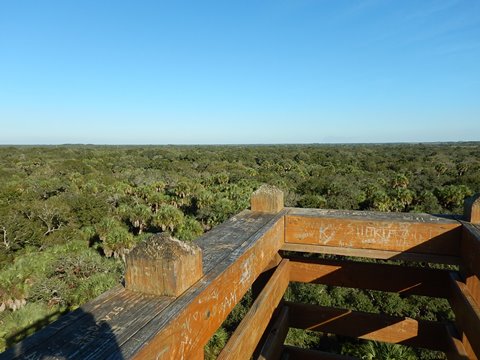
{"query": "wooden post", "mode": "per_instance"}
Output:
(267, 199)
(471, 209)
(163, 265)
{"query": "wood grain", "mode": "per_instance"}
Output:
(272, 347)
(244, 340)
(467, 314)
(379, 327)
(394, 278)
(189, 322)
(418, 234)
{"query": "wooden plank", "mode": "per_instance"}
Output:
(467, 314)
(55, 338)
(57, 326)
(379, 327)
(272, 347)
(112, 321)
(222, 240)
(372, 254)
(244, 340)
(471, 209)
(263, 278)
(414, 233)
(374, 216)
(470, 247)
(394, 278)
(294, 353)
(457, 349)
(123, 326)
(189, 322)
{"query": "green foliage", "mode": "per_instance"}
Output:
(312, 201)
(216, 344)
(372, 350)
(60, 205)
(14, 326)
(189, 230)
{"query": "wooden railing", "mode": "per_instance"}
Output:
(176, 295)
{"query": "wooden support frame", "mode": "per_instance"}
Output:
(470, 250)
(467, 314)
(132, 324)
(244, 340)
(379, 327)
(198, 314)
(399, 279)
(272, 347)
(372, 254)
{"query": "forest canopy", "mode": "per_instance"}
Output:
(70, 214)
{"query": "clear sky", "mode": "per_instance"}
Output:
(280, 71)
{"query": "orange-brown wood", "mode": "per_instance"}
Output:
(163, 265)
(272, 347)
(267, 199)
(244, 340)
(202, 309)
(472, 209)
(400, 279)
(467, 315)
(470, 249)
(470, 252)
(373, 254)
(442, 238)
(457, 351)
(406, 331)
(263, 278)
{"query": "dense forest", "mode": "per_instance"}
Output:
(70, 214)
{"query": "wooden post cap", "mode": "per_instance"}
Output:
(163, 265)
(267, 199)
(471, 209)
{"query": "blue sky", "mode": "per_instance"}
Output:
(206, 72)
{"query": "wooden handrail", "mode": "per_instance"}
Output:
(174, 318)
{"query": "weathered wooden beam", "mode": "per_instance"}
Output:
(189, 322)
(244, 340)
(467, 314)
(471, 209)
(372, 254)
(272, 347)
(116, 324)
(457, 349)
(163, 265)
(267, 199)
(63, 325)
(296, 353)
(470, 251)
(265, 276)
(416, 233)
(394, 278)
(379, 327)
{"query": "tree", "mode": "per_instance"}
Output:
(116, 240)
(139, 216)
(167, 217)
